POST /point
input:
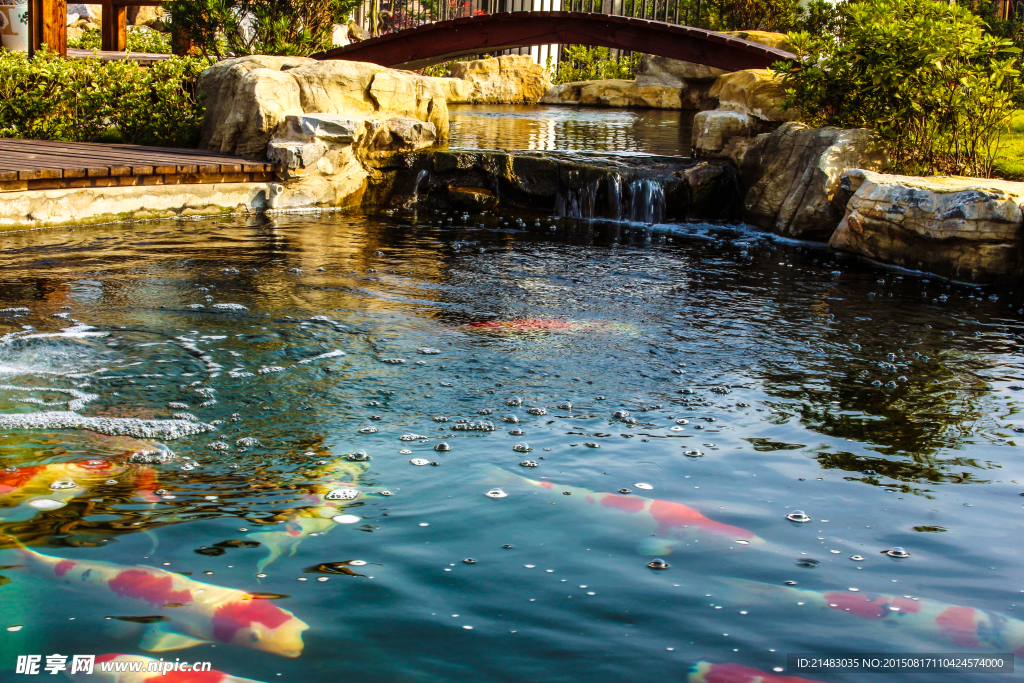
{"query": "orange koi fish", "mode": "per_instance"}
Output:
(668, 521)
(196, 612)
(706, 672)
(67, 480)
(114, 668)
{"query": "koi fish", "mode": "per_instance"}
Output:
(115, 668)
(544, 325)
(670, 522)
(66, 480)
(706, 672)
(315, 517)
(951, 625)
(195, 612)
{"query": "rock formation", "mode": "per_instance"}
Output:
(792, 176)
(962, 228)
(509, 79)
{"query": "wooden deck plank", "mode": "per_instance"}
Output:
(41, 161)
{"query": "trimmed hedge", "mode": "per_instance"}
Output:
(80, 100)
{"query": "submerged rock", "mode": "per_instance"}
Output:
(963, 228)
(475, 199)
(792, 176)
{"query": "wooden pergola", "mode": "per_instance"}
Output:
(48, 23)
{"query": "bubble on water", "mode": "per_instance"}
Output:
(46, 504)
(427, 351)
(692, 454)
(516, 432)
(435, 464)
(619, 414)
(368, 430)
(537, 411)
(528, 463)
(798, 516)
(565, 406)
(440, 418)
(495, 493)
(644, 486)
(658, 564)
(187, 467)
(393, 361)
(469, 560)
(474, 426)
(342, 494)
(566, 493)
(195, 307)
(16, 627)
(442, 447)
(625, 491)
(247, 441)
(230, 307)
(512, 419)
(405, 451)
(682, 421)
(218, 446)
(808, 563)
(514, 401)
(897, 552)
(111, 426)
(857, 558)
(110, 482)
(386, 493)
(270, 369)
(345, 519)
(420, 461)
(63, 484)
(358, 456)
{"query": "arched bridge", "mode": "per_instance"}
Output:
(442, 41)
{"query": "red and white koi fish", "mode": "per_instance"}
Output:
(947, 625)
(196, 612)
(115, 668)
(668, 521)
(544, 325)
(339, 474)
(706, 672)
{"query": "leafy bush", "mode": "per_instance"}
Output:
(582, 63)
(224, 28)
(925, 75)
(50, 98)
(140, 39)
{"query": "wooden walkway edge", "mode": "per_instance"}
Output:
(47, 165)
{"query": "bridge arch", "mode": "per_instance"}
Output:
(442, 41)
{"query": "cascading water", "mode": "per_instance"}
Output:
(578, 202)
(647, 203)
(615, 195)
(416, 188)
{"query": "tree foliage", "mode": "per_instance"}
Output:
(582, 63)
(924, 74)
(224, 28)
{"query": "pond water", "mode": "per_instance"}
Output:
(186, 394)
(572, 129)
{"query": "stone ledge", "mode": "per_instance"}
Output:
(78, 206)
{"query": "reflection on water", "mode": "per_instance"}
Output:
(223, 441)
(577, 129)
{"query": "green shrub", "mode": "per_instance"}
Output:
(222, 28)
(925, 75)
(140, 39)
(50, 98)
(582, 63)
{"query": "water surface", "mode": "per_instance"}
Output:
(760, 377)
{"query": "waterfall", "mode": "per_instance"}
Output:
(416, 188)
(647, 201)
(615, 196)
(577, 202)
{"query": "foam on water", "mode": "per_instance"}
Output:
(111, 426)
(76, 402)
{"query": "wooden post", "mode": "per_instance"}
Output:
(114, 27)
(48, 25)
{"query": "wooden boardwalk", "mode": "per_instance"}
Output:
(49, 165)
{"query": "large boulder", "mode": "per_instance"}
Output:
(674, 72)
(154, 17)
(614, 93)
(509, 79)
(250, 97)
(962, 228)
(792, 176)
(756, 92)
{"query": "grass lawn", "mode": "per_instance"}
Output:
(1010, 160)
